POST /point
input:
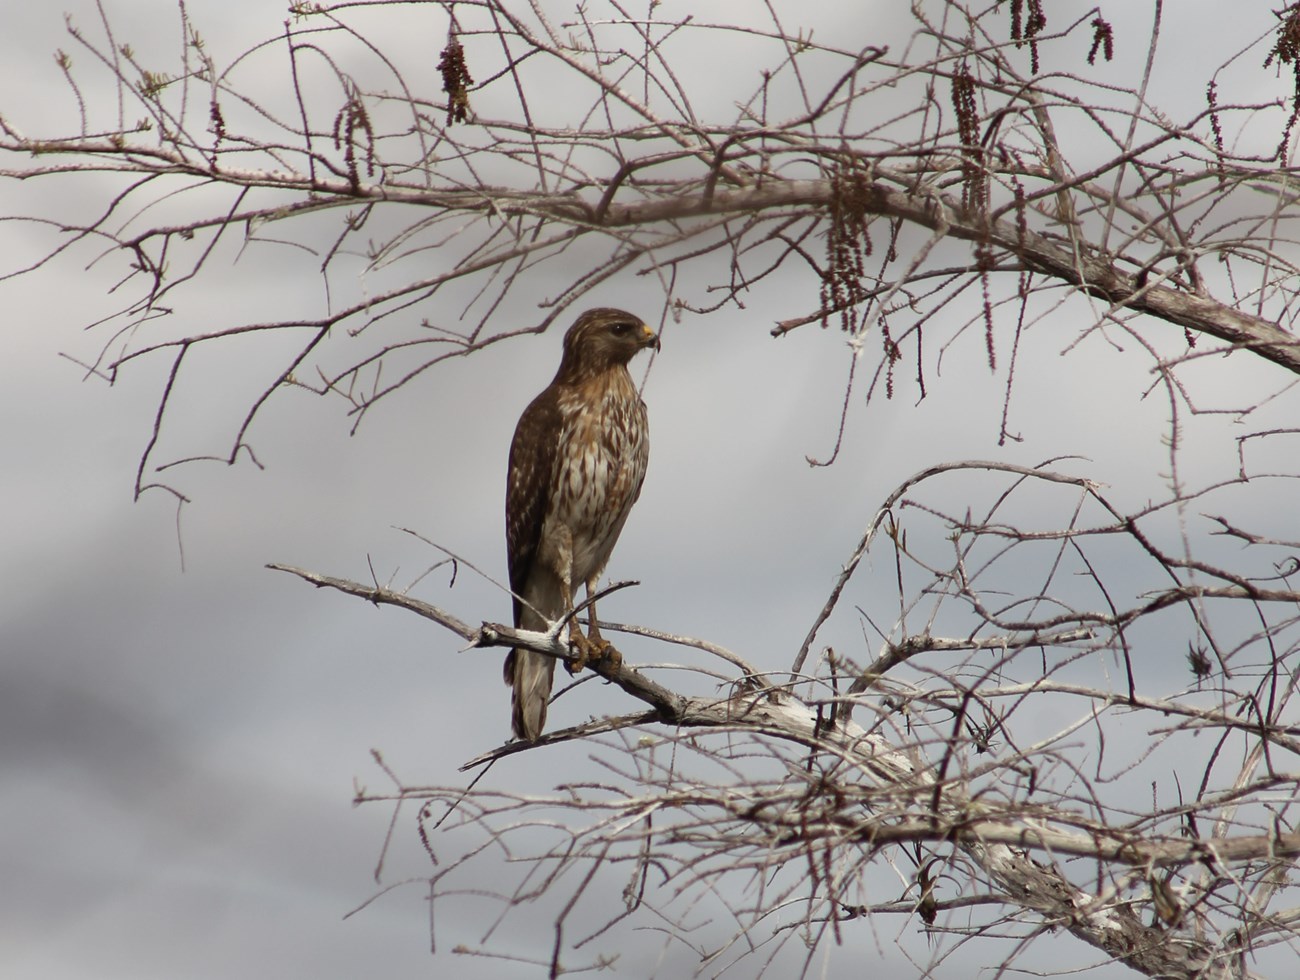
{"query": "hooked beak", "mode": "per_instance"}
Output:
(649, 338)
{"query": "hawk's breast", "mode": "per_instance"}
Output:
(601, 464)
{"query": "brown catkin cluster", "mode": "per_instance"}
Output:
(847, 245)
(974, 183)
(1027, 29)
(456, 81)
(1287, 51)
(354, 119)
(1103, 39)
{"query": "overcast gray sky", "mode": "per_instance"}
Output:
(179, 751)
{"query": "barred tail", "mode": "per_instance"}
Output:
(530, 674)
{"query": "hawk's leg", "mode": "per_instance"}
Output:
(593, 646)
(581, 647)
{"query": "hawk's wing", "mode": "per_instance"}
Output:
(529, 486)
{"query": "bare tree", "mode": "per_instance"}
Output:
(999, 740)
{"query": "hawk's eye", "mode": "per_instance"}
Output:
(621, 329)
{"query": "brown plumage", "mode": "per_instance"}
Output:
(577, 462)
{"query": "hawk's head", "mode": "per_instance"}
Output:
(604, 338)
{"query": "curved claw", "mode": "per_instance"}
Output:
(590, 649)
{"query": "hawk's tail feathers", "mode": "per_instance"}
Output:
(530, 674)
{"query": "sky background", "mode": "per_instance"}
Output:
(179, 749)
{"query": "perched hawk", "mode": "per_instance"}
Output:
(576, 465)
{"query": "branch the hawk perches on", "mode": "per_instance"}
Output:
(577, 463)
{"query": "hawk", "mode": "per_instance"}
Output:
(577, 462)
